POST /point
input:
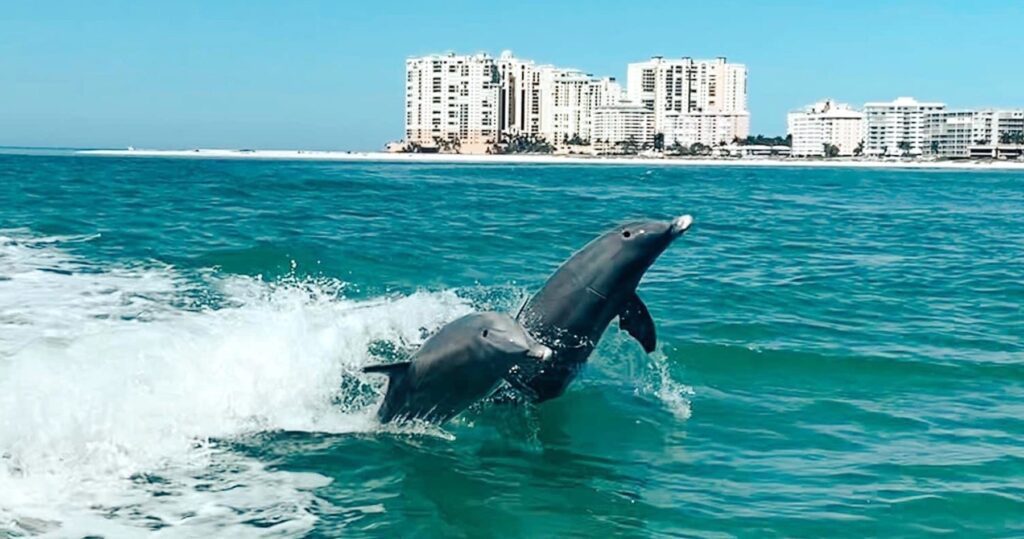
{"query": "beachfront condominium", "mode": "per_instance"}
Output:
(898, 127)
(707, 128)
(552, 102)
(906, 127)
(997, 133)
(568, 100)
(623, 127)
(948, 133)
(470, 103)
(452, 100)
(520, 95)
(675, 88)
(826, 126)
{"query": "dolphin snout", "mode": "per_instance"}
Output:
(540, 352)
(681, 224)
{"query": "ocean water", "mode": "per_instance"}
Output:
(841, 352)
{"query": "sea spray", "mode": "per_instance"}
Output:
(110, 391)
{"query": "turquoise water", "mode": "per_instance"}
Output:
(841, 351)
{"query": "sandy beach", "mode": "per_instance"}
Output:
(555, 159)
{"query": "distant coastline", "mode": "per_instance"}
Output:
(559, 159)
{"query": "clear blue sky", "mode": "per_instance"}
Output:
(329, 75)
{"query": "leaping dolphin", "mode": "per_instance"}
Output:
(573, 309)
(457, 366)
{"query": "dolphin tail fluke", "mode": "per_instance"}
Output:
(637, 321)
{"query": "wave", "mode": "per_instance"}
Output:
(114, 395)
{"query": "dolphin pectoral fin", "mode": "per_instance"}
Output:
(390, 369)
(636, 320)
(394, 371)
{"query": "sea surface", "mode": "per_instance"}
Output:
(841, 351)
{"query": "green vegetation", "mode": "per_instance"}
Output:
(448, 145)
(761, 140)
(629, 146)
(699, 149)
(830, 150)
(859, 150)
(576, 140)
(524, 144)
(1011, 137)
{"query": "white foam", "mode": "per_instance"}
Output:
(111, 376)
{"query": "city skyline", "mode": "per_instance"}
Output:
(323, 76)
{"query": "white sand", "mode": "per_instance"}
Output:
(559, 159)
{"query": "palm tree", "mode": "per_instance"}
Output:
(659, 141)
(630, 145)
(829, 150)
(904, 147)
(859, 150)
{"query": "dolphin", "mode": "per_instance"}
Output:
(457, 366)
(573, 309)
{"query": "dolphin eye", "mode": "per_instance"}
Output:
(486, 333)
(626, 234)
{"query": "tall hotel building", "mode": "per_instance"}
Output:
(693, 100)
(825, 122)
(520, 96)
(454, 98)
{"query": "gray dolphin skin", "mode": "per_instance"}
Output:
(457, 366)
(573, 309)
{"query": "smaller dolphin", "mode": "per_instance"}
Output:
(457, 366)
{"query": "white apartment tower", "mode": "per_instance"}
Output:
(825, 122)
(622, 122)
(520, 96)
(898, 127)
(568, 99)
(452, 98)
(674, 87)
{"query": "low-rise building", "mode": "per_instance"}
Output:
(949, 133)
(707, 128)
(826, 123)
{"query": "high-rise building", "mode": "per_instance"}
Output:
(568, 98)
(617, 126)
(898, 127)
(674, 87)
(520, 96)
(825, 122)
(452, 99)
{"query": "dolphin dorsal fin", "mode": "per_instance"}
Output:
(637, 321)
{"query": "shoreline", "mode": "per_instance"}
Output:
(553, 159)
